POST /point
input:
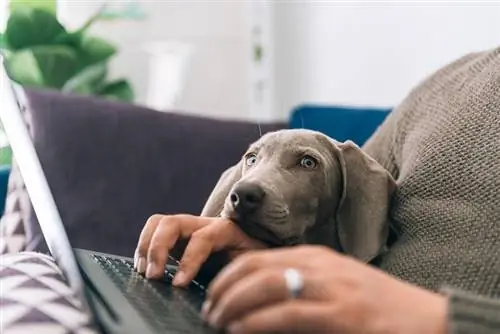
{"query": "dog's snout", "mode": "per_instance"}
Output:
(247, 197)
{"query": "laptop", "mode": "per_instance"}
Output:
(118, 299)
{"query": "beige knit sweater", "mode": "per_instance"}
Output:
(442, 145)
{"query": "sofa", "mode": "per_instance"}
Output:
(111, 165)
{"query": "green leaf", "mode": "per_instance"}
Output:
(3, 41)
(57, 64)
(94, 50)
(72, 39)
(28, 27)
(43, 66)
(5, 53)
(87, 81)
(5, 156)
(23, 68)
(48, 5)
(119, 90)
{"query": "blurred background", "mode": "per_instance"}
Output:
(244, 59)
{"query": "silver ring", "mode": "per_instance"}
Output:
(294, 282)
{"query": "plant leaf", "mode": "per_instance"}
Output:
(43, 66)
(48, 5)
(5, 156)
(23, 68)
(3, 41)
(119, 90)
(29, 26)
(57, 63)
(94, 50)
(87, 81)
(72, 39)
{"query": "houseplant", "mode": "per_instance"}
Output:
(41, 53)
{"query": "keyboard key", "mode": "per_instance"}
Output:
(166, 307)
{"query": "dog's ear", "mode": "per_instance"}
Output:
(215, 203)
(362, 215)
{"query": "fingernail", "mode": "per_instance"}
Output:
(179, 278)
(235, 328)
(214, 319)
(135, 260)
(205, 309)
(141, 265)
(150, 271)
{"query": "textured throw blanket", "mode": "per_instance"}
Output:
(442, 145)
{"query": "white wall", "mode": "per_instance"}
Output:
(371, 55)
(216, 83)
(3, 13)
(324, 51)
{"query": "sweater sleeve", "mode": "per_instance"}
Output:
(381, 145)
(472, 314)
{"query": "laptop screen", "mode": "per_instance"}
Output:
(13, 115)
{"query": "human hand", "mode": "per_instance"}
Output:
(339, 295)
(207, 235)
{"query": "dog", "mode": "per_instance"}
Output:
(299, 186)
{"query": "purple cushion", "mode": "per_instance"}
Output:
(110, 165)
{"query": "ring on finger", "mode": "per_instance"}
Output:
(294, 282)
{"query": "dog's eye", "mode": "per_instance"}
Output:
(308, 162)
(251, 159)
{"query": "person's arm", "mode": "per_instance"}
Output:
(381, 146)
(472, 314)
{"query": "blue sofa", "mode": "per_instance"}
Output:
(339, 122)
(4, 178)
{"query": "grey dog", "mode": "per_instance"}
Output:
(300, 186)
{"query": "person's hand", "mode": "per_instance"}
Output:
(206, 235)
(339, 295)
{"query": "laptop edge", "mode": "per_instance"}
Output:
(99, 301)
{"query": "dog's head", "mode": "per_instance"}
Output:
(300, 186)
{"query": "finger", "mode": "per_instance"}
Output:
(288, 317)
(215, 236)
(260, 289)
(248, 263)
(300, 257)
(144, 241)
(239, 268)
(196, 253)
(168, 231)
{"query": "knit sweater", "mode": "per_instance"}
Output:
(442, 145)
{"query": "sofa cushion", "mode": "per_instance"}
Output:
(55, 309)
(111, 165)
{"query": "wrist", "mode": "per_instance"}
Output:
(440, 307)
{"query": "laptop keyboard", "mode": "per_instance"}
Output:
(165, 307)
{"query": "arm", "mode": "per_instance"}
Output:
(472, 314)
(400, 135)
(381, 144)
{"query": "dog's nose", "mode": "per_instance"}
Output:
(247, 197)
